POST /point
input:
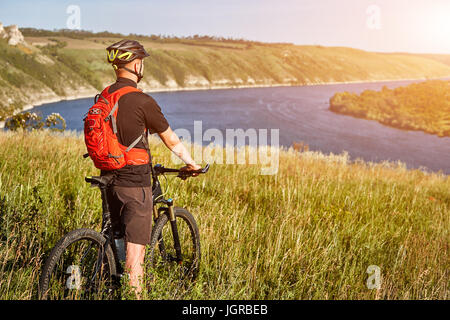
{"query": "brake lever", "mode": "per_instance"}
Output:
(183, 175)
(205, 169)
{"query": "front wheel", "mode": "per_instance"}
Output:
(162, 253)
(80, 266)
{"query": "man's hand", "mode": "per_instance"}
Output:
(191, 167)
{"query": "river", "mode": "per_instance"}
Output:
(300, 113)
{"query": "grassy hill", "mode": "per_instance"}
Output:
(63, 64)
(309, 232)
(421, 106)
(442, 58)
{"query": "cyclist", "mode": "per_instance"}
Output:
(130, 194)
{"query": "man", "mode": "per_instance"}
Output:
(130, 194)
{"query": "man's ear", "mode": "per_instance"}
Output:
(137, 66)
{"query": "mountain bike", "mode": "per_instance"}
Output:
(85, 264)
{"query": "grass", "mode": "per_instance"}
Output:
(309, 232)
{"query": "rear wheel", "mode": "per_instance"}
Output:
(80, 266)
(162, 256)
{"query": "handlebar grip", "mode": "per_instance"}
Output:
(185, 174)
(159, 169)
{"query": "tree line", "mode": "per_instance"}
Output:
(421, 106)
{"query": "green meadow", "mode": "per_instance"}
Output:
(309, 232)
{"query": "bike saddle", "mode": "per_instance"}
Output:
(99, 181)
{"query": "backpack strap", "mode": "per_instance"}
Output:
(110, 116)
(135, 142)
(125, 90)
(102, 95)
(113, 119)
(103, 98)
(147, 147)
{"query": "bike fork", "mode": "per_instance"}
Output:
(161, 246)
(176, 238)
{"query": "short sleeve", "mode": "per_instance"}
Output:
(155, 121)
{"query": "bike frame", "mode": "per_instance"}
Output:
(166, 206)
(158, 198)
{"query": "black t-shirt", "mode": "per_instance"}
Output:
(137, 112)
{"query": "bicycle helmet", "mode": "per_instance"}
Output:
(125, 51)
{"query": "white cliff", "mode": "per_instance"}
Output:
(12, 34)
(2, 32)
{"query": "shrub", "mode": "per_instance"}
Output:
(421, 106)
(33, 121)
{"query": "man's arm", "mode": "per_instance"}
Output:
(174, 144)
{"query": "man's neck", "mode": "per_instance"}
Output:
(125, 82)
(127, 75)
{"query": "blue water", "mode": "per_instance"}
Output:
(300, 114)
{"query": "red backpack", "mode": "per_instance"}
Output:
(100, 134)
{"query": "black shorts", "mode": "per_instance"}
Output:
(131, 212)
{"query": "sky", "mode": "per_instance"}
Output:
(419, 26)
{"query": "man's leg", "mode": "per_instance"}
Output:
(134, 265)
(136, 221)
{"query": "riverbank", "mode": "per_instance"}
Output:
(63, 64)
(154, 89)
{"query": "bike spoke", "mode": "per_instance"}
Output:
(166, 259)
(79, 273)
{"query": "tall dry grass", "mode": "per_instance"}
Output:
(308, 232)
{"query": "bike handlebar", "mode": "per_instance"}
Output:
(182, 174)
(103, 181)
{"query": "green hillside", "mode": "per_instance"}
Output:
(442, 58)
(57, 65)
(421, 106)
